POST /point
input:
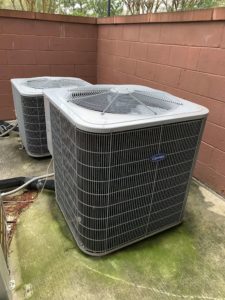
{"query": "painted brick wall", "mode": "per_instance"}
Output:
(185, 59)
(34, 47)
(182, 53)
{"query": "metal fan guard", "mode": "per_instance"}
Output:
(124, 100)
(46, 83)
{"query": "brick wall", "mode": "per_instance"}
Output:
(186, 59)
(182, 53)
(38, 45)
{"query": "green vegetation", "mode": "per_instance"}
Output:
(99, 7)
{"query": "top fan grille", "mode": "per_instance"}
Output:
(122, 100)
(46, 83)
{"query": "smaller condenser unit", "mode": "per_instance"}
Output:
(123, 158)
(30, 112)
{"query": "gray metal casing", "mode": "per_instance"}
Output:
(30, 111)
(108, 186)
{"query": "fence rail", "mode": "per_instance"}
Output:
(3, 231)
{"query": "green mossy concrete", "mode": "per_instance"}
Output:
(187, 261)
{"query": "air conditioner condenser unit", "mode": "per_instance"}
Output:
(30, 111)
(123, 158)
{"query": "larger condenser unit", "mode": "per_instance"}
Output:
(30, 111)
(123, 158)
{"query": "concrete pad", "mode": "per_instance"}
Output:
(186, 262)
(14, 161)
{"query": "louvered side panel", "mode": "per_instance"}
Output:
(111, 190)
(65, 168)
(93, 153)
(131, 185)
(35, 126)
(17, 99)
(179, 142)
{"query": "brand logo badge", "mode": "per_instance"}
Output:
(158, 157)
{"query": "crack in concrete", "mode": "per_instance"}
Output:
(150, 288)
